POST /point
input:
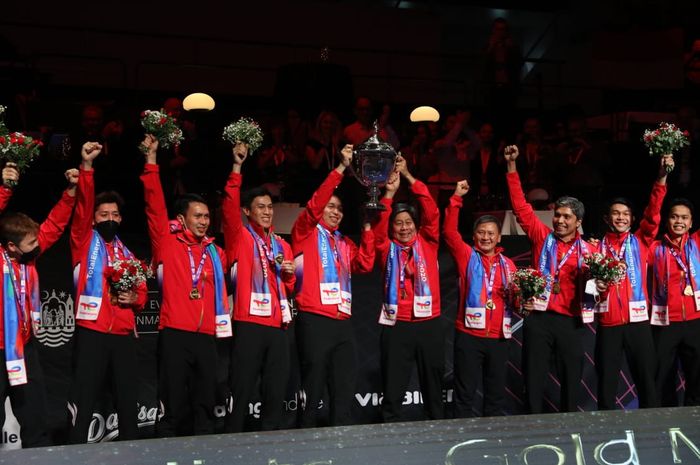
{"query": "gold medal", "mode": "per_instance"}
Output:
(688, 290)
(556, 288)
(490, 304)
(279, 258)
(194, 294)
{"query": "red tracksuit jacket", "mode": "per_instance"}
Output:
(618, 301)
(49, 232)
(305, 244)
(429, 233)
(462, 252)
(177, 310)
(240, 251)
(680, 307)
(112, 319)
(568, 301)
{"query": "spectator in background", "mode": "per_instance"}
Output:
(297, 131)
(487, 167)
(688, 158)
(579, 162)
(454, 152)
(692, 64)
(502, 68)
(419, 155)
(359, 131)
(321, 151)
(533, 165)
(277, 165)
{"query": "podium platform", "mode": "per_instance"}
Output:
(652, 436)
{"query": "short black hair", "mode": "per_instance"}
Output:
(109, 197)
(405, 207)
(182, 203)
(682, 201)
(487, 219)
(619, 200)
(248, 196)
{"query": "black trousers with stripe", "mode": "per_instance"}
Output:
(186, 382)
(637, 344)
(404, 345)
(29, 403)
(98, 357)
(546, 336)
(258, 352)
(328, 359)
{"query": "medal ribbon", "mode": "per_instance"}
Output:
(198, 273)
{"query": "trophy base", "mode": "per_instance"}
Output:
(375, 206)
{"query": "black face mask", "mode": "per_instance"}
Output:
(107, 229)
(27, 257)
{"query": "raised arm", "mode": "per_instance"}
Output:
(381, 227)
(10, 178)
(52, 227)
(649, 225)
(450, 226)
(430, 214)
(85, 201)
(156, 210)
(309, 218)
(363, 257)
(524, 213)
(231, 205)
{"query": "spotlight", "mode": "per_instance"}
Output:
(198, 102)
(425, 114)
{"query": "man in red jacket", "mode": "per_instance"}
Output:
(675, 309)
(554, 327)
(105, 333)
(412, 332)
(262, 278)
(194, 308)
(623, 311)
(483, 312)
(22, 241)
(326, 260)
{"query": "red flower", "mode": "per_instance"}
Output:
(2, 140)
(143, 114)
(162, 121)
(686, 133)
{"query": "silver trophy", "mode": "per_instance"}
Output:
(373, 162)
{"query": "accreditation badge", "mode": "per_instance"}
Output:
(475, 317)
(223, 326)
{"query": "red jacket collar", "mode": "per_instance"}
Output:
(328, 228)
(671, 243)
(186, 235)
(615, 238)
(494, 257)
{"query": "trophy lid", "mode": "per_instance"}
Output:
(374, 144)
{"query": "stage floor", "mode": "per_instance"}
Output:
(652, 436)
